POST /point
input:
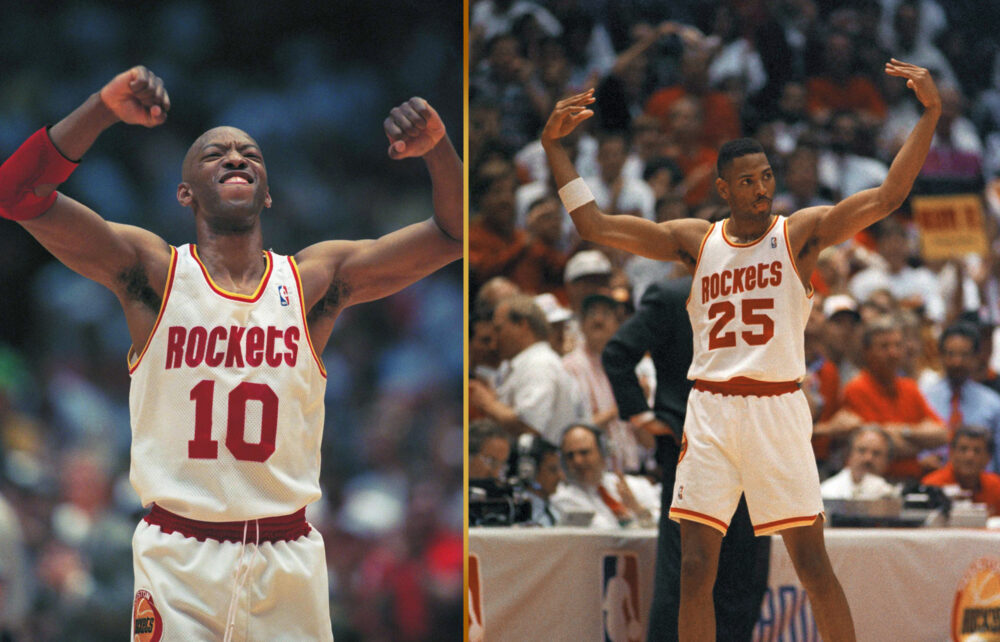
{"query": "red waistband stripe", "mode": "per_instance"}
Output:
(745, 387)
(272, 529)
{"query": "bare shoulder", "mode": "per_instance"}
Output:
(803, 225)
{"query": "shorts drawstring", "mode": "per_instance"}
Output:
(241, 578)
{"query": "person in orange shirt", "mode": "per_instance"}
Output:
(970, 452)
(879, 395)
(838, 88)
(495, 242)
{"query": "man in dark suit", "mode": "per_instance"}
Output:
(662, 328)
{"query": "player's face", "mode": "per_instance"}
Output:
(748, 186)
(582, 456)
(224, 174)
(969, 456)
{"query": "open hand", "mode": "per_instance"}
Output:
(137, 97)
(918, 79)
(413, 128)
(568, 113)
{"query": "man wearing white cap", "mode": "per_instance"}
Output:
(587, 272)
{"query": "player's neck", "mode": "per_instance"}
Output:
(747, 228)
(233, 259)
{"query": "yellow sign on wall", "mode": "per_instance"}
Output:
(950, 226)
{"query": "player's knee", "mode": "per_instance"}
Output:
(814, 570)
(697, 569)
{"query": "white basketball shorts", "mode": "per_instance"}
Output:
(757, 444)
(198, 580)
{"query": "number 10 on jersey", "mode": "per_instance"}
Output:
(204, 447)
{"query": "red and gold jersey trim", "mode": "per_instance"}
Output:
(305, 321)
(235, 296)
(782, 524)
(677, 514)
(163, 306)
(751, 243)
(697, 261)
(795, 266)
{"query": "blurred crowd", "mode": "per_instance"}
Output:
(902, 372)
(312, 84)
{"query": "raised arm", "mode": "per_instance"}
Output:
(671, 241)
(337, 274)
(109, 253)
(815, 228)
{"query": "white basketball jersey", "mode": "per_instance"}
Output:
(227, 398)
(748, 308)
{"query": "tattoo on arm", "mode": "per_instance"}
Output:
(686, 258)
(137, 287)
(331, 302)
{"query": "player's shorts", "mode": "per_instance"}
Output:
(755, 440)
(193, 578)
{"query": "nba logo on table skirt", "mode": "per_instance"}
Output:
(477, 628)
(620, 604)
(283, 294)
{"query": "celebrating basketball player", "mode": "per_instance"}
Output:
(748, 425)
(226, 339)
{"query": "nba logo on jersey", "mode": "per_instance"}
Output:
(283, 294)
(621, 607)
(774, 242)
(477, 626)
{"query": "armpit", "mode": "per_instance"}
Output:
(338, 292)
(137, 287)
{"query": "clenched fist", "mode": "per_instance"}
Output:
(137, 97)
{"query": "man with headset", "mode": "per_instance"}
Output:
(616, 500)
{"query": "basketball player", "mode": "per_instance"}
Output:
(227, 385)
(748, 425)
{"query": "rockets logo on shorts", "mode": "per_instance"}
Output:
(283, 294)
(620, 602)
(147, 625)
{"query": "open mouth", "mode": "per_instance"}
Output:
(236, 178)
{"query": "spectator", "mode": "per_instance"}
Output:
(970, 451)
(911, 47)
(539, 268)
(598, 323)
(837, 87)
(879, 396)
(955, 160)
(548, 475)
(846, 168)
(558, 317)
(587, 272)
(956, 398)
(684, 145)
(489, 449)
(613, 189)
(801, 183)
(535, 393)
(495, 243)
(505, 79)
(720, 119)
(495, 17)
(616, 500)
(867, 462)
(914, 287)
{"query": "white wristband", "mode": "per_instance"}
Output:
(575, 194)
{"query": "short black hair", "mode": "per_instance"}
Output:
(961, 329)
(733, 149)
